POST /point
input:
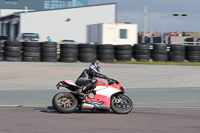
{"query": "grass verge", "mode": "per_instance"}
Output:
(160, 63)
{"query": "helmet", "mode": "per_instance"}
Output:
(95, 66)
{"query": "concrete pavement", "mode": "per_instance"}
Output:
(44, 76)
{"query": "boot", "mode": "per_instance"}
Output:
(80, 91)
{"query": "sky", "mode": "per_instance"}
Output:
(133, 11)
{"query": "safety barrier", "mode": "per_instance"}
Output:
(177, 53)
(193, 53)
(123, 52)
(159, 53)
(87, 53)
(68, 53)
(47, 52)
(105, 53)
(31, 51)
(12, 51)
(141, 52)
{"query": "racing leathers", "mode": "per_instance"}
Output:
(87, 79)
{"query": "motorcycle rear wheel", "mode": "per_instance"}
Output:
(64, 102)
(121, 107)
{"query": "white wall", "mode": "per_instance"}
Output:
(111, 34)
(53, 23)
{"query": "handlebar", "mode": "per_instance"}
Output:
(111, 81)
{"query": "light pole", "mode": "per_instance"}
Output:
(156, 14)
(145, 25)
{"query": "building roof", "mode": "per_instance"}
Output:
(8, 17)
(17, 14)
(41, 4)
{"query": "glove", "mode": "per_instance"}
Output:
(105, 77)
(109, 81)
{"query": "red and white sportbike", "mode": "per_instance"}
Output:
(101, 97)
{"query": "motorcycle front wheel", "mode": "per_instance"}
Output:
(64, 102)
(121, 105)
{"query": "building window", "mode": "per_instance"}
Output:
(123, 33)
(80, 2)
(56, 4)
(11, 2)
(47, 5)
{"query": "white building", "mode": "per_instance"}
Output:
(59, 24)
(113, 33)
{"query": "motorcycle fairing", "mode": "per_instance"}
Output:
(103, 94)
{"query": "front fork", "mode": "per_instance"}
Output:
(121, 99)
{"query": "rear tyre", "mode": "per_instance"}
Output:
(64, 102)
(121, 107)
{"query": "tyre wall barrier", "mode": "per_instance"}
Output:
(1, 54)
(141, 52)
(49, 51)
(87, 53)
(12, 51)
(123, 52)
(105, 53)
(31, 51)
(68, 52)
(177, 53)
(193, 53)
(159, 53)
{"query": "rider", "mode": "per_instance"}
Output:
(87, 78)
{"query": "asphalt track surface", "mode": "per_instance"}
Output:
(166, 99)
(140, 120)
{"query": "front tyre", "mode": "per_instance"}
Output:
(121, 105)
(64, 102)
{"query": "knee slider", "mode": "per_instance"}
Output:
(94, 81)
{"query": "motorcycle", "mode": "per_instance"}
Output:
(102, 97)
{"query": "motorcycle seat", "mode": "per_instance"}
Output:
(72, 85)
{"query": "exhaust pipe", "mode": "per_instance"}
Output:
(86, 106)
(102, 107)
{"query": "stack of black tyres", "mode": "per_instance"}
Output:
(177, 53)
(12, 51)
(193, 53)
(123, 52)
(68, 52)
(159, 53)
(49, 51)
(105, 53)
(141, 52)
(31, 51)
(87, 53)
(1, 54)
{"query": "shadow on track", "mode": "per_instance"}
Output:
(50, 109)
